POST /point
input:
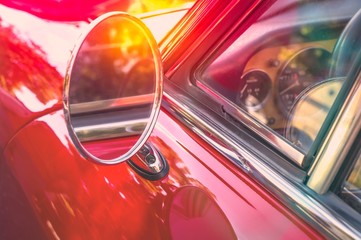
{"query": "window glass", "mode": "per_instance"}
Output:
(282, 72)
(351, 190)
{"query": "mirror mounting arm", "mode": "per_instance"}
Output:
(149, 163)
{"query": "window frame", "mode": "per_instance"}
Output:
(347, 167)
(292, 152)
(342, 132)
(185, 101)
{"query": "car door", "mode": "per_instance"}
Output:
(272, 91)
(231, 174)
(204, 195)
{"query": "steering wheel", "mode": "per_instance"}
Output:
(346, 48)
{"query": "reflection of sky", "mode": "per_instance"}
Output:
(162, 24)
(57, 124)
(30, 100)
(56, 39)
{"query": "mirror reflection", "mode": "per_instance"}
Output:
(112, 87)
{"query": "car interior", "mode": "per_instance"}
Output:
(287, 69)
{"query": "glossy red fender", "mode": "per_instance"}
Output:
(204, 196)
(32, 68)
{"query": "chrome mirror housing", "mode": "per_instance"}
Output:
(113, 88)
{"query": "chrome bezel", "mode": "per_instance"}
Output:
(157, 96)
(263, 102)
(283, 109)
(301, 97)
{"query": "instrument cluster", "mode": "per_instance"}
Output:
(275, 77)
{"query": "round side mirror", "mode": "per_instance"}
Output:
(113, 88)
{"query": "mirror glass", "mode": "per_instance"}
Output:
(113, 88)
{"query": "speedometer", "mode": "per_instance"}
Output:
(254, 88)
(307, 67)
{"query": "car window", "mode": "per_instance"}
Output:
(351, 189)
(282, 72)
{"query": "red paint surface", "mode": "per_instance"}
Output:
(77, 199)
(67, 10)
(25, 92)
(32, 68)
(34, 53)
(204, 196)
(115, 147)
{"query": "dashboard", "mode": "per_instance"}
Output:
(274, 77)
(274, 63)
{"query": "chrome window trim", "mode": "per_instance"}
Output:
(292, 152)
(187, 25)
(293, 194)
(178, 34)
(290, 193)
(338, 141)
(280, 143)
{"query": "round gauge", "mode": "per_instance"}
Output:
(254, 88)
(309, 112)
(307, 67)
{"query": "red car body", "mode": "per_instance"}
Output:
(61, 195)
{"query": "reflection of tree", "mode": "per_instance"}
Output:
(140, 79)
(114, 54)
(94, 76)
(22, 63)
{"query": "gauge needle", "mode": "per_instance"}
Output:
(243, 89)
(296, 78)
(295, 84)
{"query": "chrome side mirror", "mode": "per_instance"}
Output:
(113, 88)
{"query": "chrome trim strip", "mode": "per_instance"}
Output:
(338, 142)
(175, 36)
(274, 139)
(179, 34)
(166, 11)
(290, 193)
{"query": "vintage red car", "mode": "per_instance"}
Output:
(242, 122)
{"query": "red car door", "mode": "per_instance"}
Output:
(231, 174)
